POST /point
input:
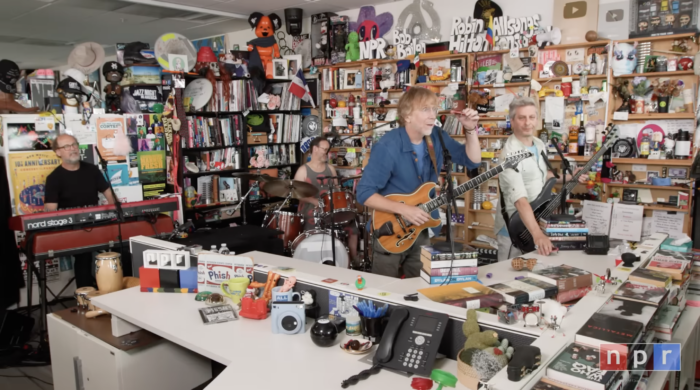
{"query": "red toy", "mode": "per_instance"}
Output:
(264, 48)
(255, 309)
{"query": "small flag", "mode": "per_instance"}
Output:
(489, 31)
(300, 89)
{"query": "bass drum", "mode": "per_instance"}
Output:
(315, 246)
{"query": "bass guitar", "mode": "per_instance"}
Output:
(396, 235)
(547, 202)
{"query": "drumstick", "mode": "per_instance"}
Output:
(95, 313)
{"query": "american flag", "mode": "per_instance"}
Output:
(300, 89)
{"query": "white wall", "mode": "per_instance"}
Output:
(447, 9)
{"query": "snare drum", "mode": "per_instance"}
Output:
(290, 223)
(344, 209)
(315, 245)
(81, 296)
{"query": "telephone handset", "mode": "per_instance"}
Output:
(409, 343)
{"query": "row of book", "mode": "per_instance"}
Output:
(452, 125)
(243, 96)
(214, 189)
(440, 267)
(644, 308)
(339, 78)
(566, 235)
(210, 132)
(281, 154)
(286, 128)
(215, 160)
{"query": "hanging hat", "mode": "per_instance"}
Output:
(112, 66)
(9, 74)
(71, 85)
(87, 57)
(80, 77)
(206, 54)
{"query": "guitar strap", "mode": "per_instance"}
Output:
(431, 152)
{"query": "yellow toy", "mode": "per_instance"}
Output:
(544, 91)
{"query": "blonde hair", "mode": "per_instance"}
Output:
(415, 97)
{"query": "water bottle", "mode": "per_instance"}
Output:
(224, 250)
(213, 249)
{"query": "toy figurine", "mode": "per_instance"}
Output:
(113, 73)
(323, 45)
(340, 39)
(621, 88)
(263, 48)
(271, 282)
(207, 65)
(352, 48)
(360, 282)
(553, 323)
(288, 284)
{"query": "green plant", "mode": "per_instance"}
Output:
(641, 86)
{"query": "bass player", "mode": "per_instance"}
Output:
(519, 188)
(401, 161)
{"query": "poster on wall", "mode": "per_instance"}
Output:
(108, 126)
(650, 18)
(217, 44)
(151, 166)
(28, 172)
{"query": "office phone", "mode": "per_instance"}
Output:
(410, 343)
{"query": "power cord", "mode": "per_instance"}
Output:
(30, 377)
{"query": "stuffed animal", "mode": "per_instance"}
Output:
(502, 353)
(476, 339)
(263, 48)
(323, 44)
(352, 49)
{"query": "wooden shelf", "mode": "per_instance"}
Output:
(443, 55)
(574, 158)
(342, 90)
(483, 211)
(453, 174)
(658, 74)
(659, 38)
(210, 206)
(574, 201)
(380, 90)
(669, 188)
(207, 173)
(666, 208)
(492, 118)
(656, 115)
(478, 227)
(494, 136)
(646, 161)
(574, 77)
(440, 83)
(504, 85)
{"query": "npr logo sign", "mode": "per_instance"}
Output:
(666, 357)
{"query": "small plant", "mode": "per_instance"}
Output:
(641, 87)
(668, 88)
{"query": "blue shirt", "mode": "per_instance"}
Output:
(533, 149)
(421, 152)
(393, 165)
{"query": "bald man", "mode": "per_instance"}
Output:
(75, 184)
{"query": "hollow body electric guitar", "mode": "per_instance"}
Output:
(547, 202)
(396, 235)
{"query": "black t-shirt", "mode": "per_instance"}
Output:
(75, 188)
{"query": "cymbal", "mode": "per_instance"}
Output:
(352, 177)
(283, 188)
(256, 177)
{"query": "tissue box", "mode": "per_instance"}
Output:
(667, 246)
(214, 268)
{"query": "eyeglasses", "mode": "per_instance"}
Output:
(429, 110)
(69, 146)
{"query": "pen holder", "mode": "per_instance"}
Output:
(373, 328)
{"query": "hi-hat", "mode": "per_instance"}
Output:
(297, 189)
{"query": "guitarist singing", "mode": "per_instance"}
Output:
(521, 187)
(402, 160)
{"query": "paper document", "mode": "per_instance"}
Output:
(597, 216)
(626, 222)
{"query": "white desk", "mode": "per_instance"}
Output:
(256, 357)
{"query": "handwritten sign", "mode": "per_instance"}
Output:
(597, 216)
(665, 222)
(626, 223)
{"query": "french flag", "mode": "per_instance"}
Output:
(300, 89)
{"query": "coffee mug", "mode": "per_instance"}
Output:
(235, 288)
(288, 296)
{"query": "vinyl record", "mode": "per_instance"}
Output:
(560, 69)
(311, 126)
(200, 90)
(624, 147)
(174, 43)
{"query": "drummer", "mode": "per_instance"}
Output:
(318, 166)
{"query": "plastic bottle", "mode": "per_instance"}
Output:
(213, 249)
(571, 209)
(224, 249)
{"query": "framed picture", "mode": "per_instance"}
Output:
(629, 195)
(295, 63)
(350, 80)
(280, 68)
(678, 173)
(651, 174)
(177, 62)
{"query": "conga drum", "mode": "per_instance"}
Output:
(108, 272)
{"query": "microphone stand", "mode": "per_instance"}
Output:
(340, 140)
(332, 223)
(566, 167)
(117, 203)
(449, 244)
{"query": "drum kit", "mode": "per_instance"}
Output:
(327, 242)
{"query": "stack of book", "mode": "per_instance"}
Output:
(470, 295)
(525, 290)
(438, 265)
(572, 283)
(566, 235)
(693, 295)
(611, 332)
(666, 322)
(677, 265)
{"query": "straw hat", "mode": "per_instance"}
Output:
(87, 57)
